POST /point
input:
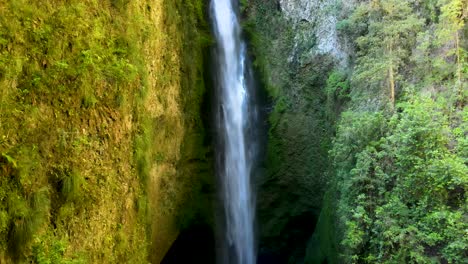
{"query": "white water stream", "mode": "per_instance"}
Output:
(233, 120)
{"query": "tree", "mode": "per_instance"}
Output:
(452, 20)
(391, 31)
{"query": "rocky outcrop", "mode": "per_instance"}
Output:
(315, 27)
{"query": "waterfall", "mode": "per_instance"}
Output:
(236, 148)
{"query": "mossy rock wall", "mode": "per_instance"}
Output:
(293, 50)
(101, 139)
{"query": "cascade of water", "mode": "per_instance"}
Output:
(234, 117)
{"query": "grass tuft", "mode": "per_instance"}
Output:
(71, 186)
(27, 216)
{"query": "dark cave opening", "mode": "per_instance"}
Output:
(196, 244)
(193, 245)
(290, 245)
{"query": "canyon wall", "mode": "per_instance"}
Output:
(104, 156)
(296, 46)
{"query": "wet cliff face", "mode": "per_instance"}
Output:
(295, 46)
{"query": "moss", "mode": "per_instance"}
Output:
(298, 143)
(97, 101)
(322, 247)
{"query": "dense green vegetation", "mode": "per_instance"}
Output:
(400, 153)
(90, 92)
(397, 173)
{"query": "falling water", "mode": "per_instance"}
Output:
(236, 147)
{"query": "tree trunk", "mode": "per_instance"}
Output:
(459, 85)
(392, 84)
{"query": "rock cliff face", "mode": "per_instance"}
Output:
(296, 45)
(315, 28)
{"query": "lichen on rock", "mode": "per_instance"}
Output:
(315, 26)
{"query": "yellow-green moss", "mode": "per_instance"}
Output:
(94, 115)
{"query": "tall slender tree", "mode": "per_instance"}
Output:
(391, 31)
(452, 20)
